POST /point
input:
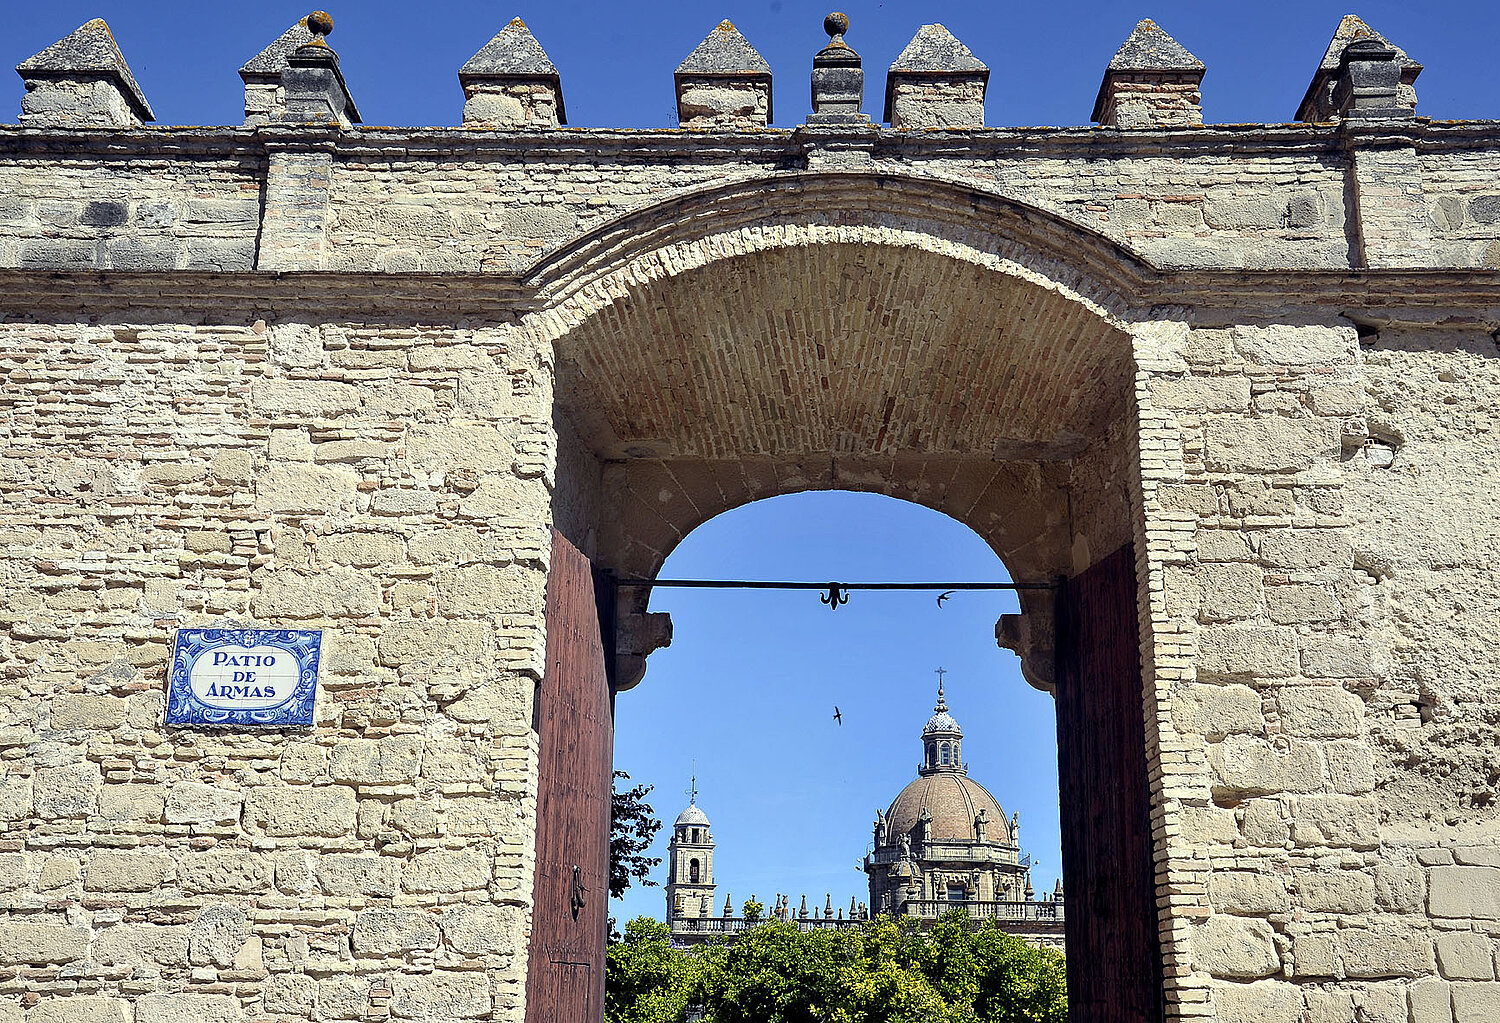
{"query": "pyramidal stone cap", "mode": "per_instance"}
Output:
(512, 57)
(265, 96)
(1318, 104)
(937, 56)
(88, 53)
(1149, 54)
(724, 82)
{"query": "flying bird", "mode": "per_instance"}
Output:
(944, 596)
(838, 716)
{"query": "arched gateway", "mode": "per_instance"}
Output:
(424, 400)
(883, 333)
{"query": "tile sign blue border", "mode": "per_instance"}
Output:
(258, 678)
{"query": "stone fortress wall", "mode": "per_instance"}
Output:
(301, 372)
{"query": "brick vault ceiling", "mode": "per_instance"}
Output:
(850, 350)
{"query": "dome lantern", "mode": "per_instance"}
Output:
(942, 738)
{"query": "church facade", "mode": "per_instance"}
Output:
(945, 843)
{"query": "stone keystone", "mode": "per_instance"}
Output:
(512, 83)
(936, 82)
(82, 79)
(1320, 103)
(1152, 81)
(724, 83)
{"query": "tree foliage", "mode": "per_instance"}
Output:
(632, 826)
(885, 971)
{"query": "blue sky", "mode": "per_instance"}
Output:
(616, 59)
(747, 689)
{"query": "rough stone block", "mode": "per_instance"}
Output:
(218, 935)
(440, 996)
(1217, 710)
(1341, 821)
(1323, 712)
(80, 1010)
(291, 994)
(362, 549)
(1465, 892)
(1315, 955)
(1264, 1001)
(1235, 948)
(305, 488)
(224, 872)
(375, 876)
(15, 798)
(484, 930)
(85, 711)
(1351, 767)
(1269, 444)
(1203, 394)
(195, 803)
(394, 931)
(377, 761)
(30, 943)
(1334, 656)
(301, 811)
(187, 1008)
(1229, 591)
(1246, 651)
(1386, 950)
(1300, 604)
(331, 593)
(134, 944)
(132, 802)
(67, 792)
(1306, 548)
(1338, 891)
(1286, 345)
(1465, 955)
(1476, 1003)
(1400, 887)
(1432, 1002)
(1249, 765)
(126, 872)
(1247, 893)
(446, 872)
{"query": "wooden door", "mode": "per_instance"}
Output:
(1114, 959)
(574, 721)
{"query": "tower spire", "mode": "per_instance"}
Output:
(941, 704)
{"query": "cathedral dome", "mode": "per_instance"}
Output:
(954, 800)
(692, 815)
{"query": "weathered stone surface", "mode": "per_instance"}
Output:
(1261, 1002)
(126, 872)
(1339, 891)
(131, 944)
(1386, 950)
(1476, 1003)
(296, 811)
(187, 1008)
(440, 996)
(81, 1010)
(24, 942)
(1244, 892)
(442, 871)
(1465, 892)
(1465, 955)
(1235, 948)
(376, 876)
(81, 711)
(1271, 444)
(1336, 821)
(382, 761)
(1250, 765)
(1320, 711)
(68, 791)
(393, 931)
(194, 803)
(224, 872)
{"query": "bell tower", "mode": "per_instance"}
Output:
(690, 859)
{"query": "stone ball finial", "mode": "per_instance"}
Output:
(320, 23)
(836, 24)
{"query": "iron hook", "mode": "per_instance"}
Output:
(835, 596)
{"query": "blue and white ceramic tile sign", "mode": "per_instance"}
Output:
(258, 678)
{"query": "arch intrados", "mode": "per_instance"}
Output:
(963, 222)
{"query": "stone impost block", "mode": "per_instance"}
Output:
(936, 82)
(724, 84)
(1151, 82)
(512, 83)
(82, 81)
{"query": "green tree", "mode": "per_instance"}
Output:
(632, 826)
(647, 980)
(885, 971)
